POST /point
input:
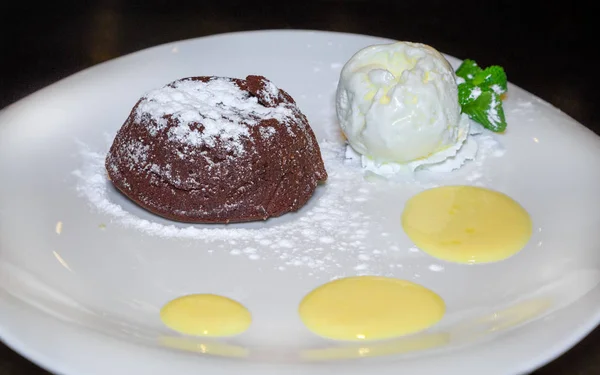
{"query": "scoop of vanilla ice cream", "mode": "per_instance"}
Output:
(398, 102)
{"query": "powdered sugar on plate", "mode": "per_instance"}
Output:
(321, 236)
(332, 232)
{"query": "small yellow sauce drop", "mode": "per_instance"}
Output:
(370, 308)
(206, 315)
(466, 224)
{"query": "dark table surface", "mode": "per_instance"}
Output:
(546, 48)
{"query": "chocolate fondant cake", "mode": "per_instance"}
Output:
(216, 150)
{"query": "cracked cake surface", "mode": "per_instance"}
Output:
(216, 150)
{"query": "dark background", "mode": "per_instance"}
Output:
(545, 47)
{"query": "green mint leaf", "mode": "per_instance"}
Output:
(465, 93)
(468, 70)
(492, 78)
(487, 110)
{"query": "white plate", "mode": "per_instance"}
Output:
(82, 297)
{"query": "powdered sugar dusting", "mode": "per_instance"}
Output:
(267, 132)
(270, 93)
(497, 89)
(475, 93)
(136, 153)
(436, 267)
(209, 111)
(492, 113)
(323, 238)
(333, 235)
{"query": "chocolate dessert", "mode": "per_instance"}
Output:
(216, 150)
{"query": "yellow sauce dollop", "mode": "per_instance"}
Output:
(370, 308)
(206, 315)
(466, 224)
